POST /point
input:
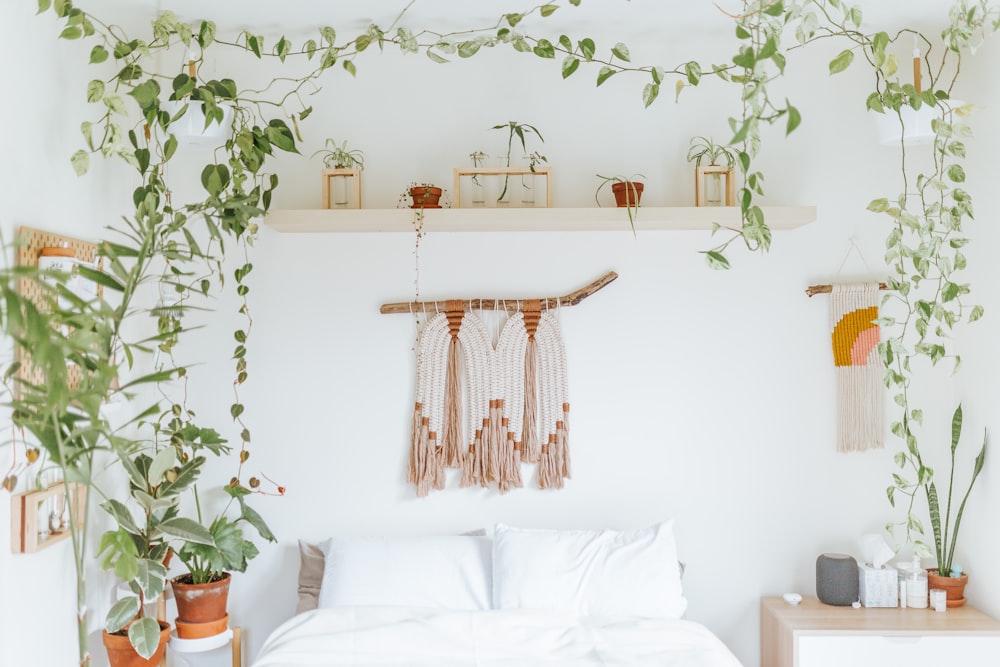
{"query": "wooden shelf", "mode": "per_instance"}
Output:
(527, 219)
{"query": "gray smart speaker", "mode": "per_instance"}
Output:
(837, 579)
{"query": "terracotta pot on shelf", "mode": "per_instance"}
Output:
(627, 193)
(121, 653)
(425, 196)
(201, 608)
(954, 587)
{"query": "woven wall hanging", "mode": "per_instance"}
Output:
(855, 338)
(486, 410)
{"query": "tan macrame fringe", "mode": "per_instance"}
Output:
(565, 441)
(452, 443)
(529, 436)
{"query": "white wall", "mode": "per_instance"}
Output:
(703, 396)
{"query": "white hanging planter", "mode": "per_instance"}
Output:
(190, 128)
(916, 123)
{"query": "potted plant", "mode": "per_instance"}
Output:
(138, 551)
(627, 191)
(341, 164)
(708, 187)
(519, 130)
(947, 575)
(423, 195)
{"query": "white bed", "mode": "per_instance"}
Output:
(520, 597)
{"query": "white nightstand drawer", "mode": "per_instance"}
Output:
(909, 650)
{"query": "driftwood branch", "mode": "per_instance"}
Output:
(826, 289)
(513, 305)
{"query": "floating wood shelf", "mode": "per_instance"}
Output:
(305, 221)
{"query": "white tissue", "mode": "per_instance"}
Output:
(875, 551)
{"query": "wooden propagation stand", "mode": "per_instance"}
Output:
(728, 190)
(540, 172)
(330, 177)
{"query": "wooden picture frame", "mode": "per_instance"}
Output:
(352, 192)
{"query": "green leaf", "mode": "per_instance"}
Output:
(95, 91)
(121, 613)
(145, 636)
(187, 530)
(44, 5)
(977, 313)
(620, 51)
(587, 48)
(570, 65)
(98, 55)
(716, 260)
(257, 521)
(692, 70)
(150, 578)
(879, 205)
(605, 74)
(81, 162)
(435, 57)
(841, 62)
(544, 49)
(163, 462)
(794, 118)
(956, 173)
(468, 48)
(121, 515)
(350, 68)
(649, 93)
(548, 10)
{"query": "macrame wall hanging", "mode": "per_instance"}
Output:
(485, 409)
(860, 386)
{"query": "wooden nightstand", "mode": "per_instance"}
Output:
(812, 634)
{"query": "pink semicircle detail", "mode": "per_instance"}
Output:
(863, 345)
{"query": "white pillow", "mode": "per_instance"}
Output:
(449, 572)
(629, 573)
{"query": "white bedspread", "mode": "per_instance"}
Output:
(368, 636)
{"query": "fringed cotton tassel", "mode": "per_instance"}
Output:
(435, 461)
(546, 473)
(565, 442)
(452, 437)
(513, 462)
(496, 441)
(529, 436)
(423, 460)
(411, 474)
(469, 465)
(482, 457)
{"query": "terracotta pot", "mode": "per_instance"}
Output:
(200, 603)
(121, 653)
(954, 587)
(627, 193)
(199, 630)
(425, 196)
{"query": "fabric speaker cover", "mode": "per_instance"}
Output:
(837, 579)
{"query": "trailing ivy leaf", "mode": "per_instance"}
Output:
(956, 173)
(71, 32)
(350, 68)
(544, 49)
(81, 162)
(115, 104)
(95, 91)
(565, 43)
(649, 93)
(253, 43)
(794, 118)
(570, 65)
(842, 61)
(692, 70)
(44, 5)
(98, 55)
(775, 9)
(620, 51)
(605, 74)
(468, 48)
(548, 10)
(513, 19)
(716, 260)
(587, 48)
(435, 57)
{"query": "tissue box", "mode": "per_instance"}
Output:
(878, 587)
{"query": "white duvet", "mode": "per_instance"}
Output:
(416, 637)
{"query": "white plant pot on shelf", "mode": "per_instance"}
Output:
(916, 123)
(190, 128)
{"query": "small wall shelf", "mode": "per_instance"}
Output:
(28, 510)
(306, 221)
